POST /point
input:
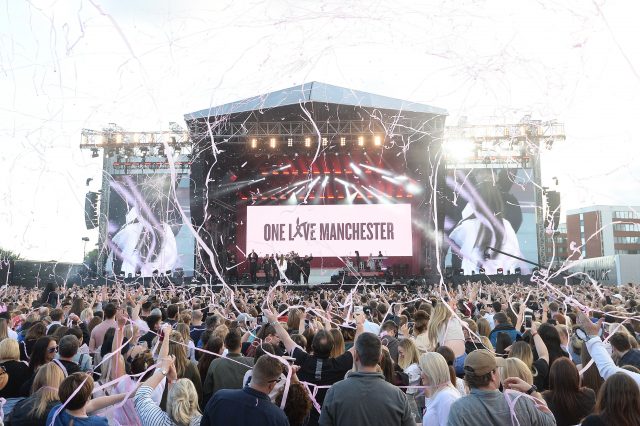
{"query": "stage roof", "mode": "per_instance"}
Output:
(314, 92)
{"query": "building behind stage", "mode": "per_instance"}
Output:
(603, 231)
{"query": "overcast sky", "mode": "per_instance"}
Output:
(68, 65)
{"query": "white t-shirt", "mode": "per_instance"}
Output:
(414, 372)
(451, 331)
(437, 408)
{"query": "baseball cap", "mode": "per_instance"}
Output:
(481, 362)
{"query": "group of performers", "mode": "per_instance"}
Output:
(291, 267)
(373, 263)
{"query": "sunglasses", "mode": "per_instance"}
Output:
(52, 350)
(275, 380)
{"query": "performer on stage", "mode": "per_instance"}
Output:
(358, 260)
(233, 267)
(283, 266)
(371, 263)
(253, 266)
(266, 266)
(306, 268)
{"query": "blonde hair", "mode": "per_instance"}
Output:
(439, 318)
(487, 343)
(523, 352)
(483, 326)
(338, 342)
(184, 331)
(220, 331)
(178, 350)
(435, 371)
(9, 350)
(182, 402)
(411, 354)
(130, 330)
(86, 315)
(514, 367)
(4, 329)
(45, 387)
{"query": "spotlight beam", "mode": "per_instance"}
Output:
(377, 170)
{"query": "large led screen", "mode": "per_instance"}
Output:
(330, 230)
(146, 231)
(490, 208)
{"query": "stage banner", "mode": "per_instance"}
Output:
(327, 231)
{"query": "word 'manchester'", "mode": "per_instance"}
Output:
(357, 231)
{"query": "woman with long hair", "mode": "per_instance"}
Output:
(551, 339)
(185, 332)
(408, 360)
(439, 391)
(215, 345)
(420, 325)
(450, 358)
(540, 366)
(618, 403)
(591, 377)
(44, 350)
(33, 411)
(445, 330)
(36, 331)
(338, 342)
(568, 402)
(185, 369)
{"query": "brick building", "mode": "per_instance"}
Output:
(557, 246)
(603, 231)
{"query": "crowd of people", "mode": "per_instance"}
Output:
(184, 355)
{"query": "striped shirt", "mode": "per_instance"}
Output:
(149, 412)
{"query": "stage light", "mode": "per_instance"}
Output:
(290, 142)
(94, 153)
(254, 143)
(356, 169)
(460, 149)
(343, 141)
(284, 167)
(307, 142)
(325, 181)
(119, 138)
(325, 141)
(272, 142)
(360, 140)
(345, 183)
(401, 178)
(392, 180)
(377, 140)
(412, 188)
(377, 170)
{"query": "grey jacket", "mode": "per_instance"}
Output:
(365, 399)
(484, 407)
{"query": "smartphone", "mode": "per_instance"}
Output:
(528, 319)
(358, 310)
(263, 319)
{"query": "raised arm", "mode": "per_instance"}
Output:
(541, 348)
(289, 344)
(117, 366)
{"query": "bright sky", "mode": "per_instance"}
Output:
(72, 64)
